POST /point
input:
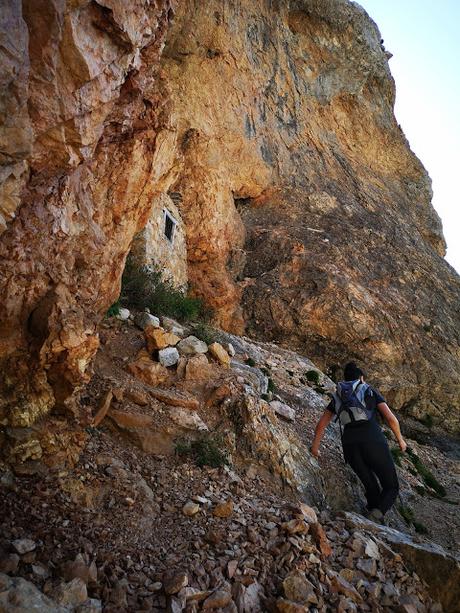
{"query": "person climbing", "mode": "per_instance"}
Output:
(365, 448)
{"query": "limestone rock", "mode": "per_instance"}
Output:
(190, 508)
(142, 320)
(341, 585)
(191, 345)
(171, 325)
(168, 356)
(198, 368)
(157, 338)
(283, 410)
(23, 546)
(294, 286)
(72, 594)
(217, 600)
(223, 509)
(297, 588)
(123, 314)
(218, 352)
(148, 371)
(173, 584)
(295, 526)
(321, 539)
(187, 419)
(25, 596)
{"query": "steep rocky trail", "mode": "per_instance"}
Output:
(138, 526)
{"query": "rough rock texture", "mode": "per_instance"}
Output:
(79, 146)
(303, 202)
(270, 126)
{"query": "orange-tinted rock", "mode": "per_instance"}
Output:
(218, 352)
(223, 509)
(148, 371)
(157, 338)
(104, 406)
(78, 135)
(321, 540)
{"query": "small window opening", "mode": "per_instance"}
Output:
(169, 226)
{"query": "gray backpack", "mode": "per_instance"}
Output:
(350, 403)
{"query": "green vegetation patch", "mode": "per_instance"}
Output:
(250, 362)
(271, 385)
(205, 332)
(407, 514)
(427, 421)
(114, 310)
(397, 455)
(207, 450)
(420, 528)
(143, 287)
(427, 476)
(313, 376)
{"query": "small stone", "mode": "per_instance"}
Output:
(123, 314)
(231, 568)
(148, 371)
(198, 368)
(142, 320)
(297, 587)
(321, 539)
(73, 593)
(230, 350)
(348, 574)
(103, 408)
(372, 550)
(217, 600)
(174, 584)
(341, 585)
(295, 526)
(223, 509)
(190, 508)
(23, 546)
(201, 500)
(40, 571)
(308, 513)
(368, 567)
(218, 352)
(171, 325)
(157, 338)
(192, 345)
(283, 410)
(168, 356)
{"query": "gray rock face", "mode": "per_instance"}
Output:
(25, 596)
(142, 320)
(283, 410)
(168, 356)
(192, 345)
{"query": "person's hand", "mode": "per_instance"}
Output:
(314, 449)
(402, 445)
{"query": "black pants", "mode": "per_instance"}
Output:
(370, 461)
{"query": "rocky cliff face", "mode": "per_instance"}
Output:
(80, 113)
(308, 218)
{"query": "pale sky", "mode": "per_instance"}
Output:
(423, 36)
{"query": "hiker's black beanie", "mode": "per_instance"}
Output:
(351, 372)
